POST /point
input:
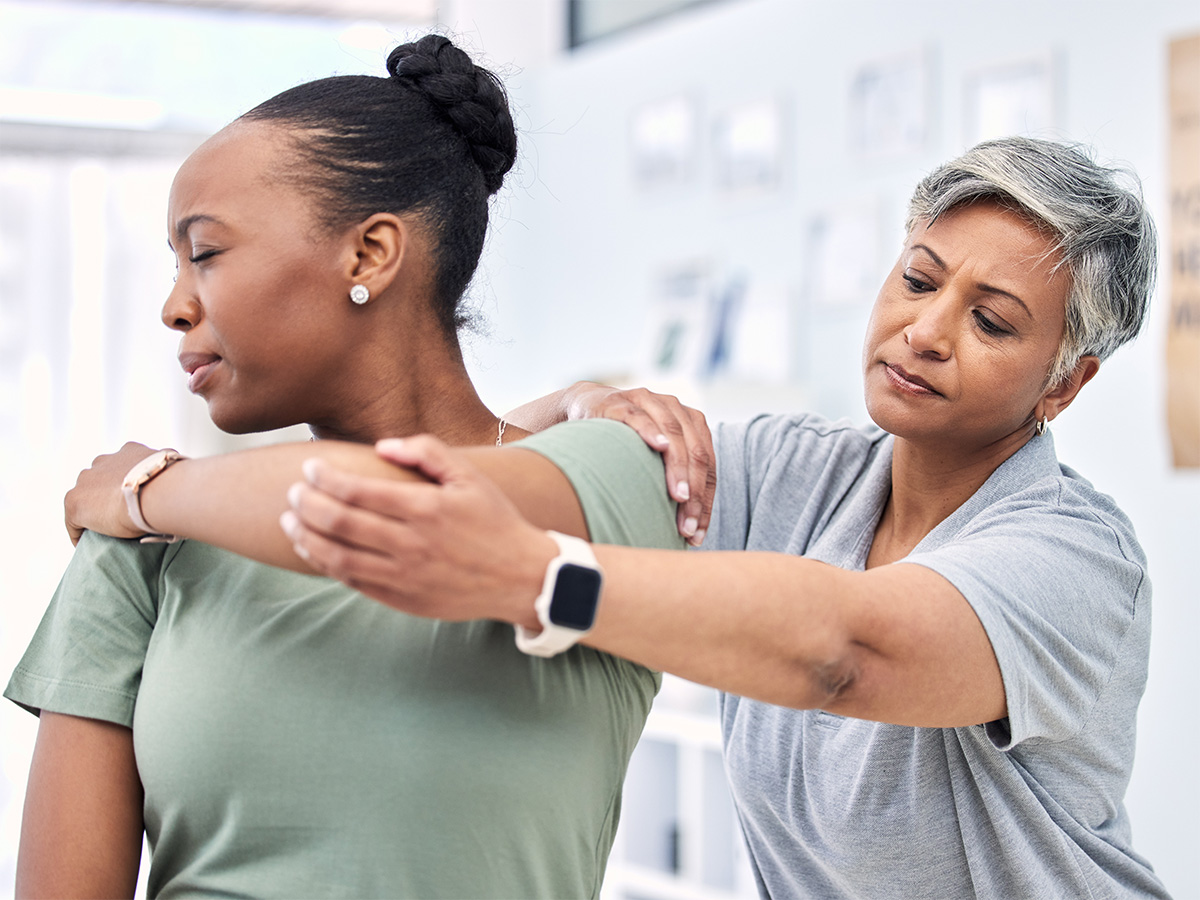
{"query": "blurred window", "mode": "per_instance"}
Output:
(589, 20)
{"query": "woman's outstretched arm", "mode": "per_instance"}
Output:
(81, 834)
(234, 500)
(896, 644)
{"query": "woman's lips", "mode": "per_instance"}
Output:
(906, 381)
(198, 367)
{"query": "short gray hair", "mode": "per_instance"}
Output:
(1105, 236)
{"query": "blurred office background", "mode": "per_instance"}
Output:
(707, 198)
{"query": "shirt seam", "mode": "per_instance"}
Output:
(72, 682)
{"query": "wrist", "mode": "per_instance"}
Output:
(134, 487)
(568, 601)
(579, 397)
(528, 579)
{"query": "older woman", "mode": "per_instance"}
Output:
(933, 637)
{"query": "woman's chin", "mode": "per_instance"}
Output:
(238, 422)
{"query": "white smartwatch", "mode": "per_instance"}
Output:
(566, 607)
(149, 467)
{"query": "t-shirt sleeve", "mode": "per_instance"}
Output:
(620, 482)
(1057, 582)
(86, 656)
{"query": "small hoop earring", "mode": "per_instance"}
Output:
(359, 294)
(1040, 427)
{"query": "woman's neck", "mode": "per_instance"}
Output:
(927, 486)
(424, 392)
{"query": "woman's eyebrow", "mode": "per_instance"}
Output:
(1000, 292)
(937, 259)
(184, 224)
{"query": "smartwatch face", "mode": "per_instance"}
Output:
(576, 592)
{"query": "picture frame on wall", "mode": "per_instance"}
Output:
(677, 330)
(751, 147)
(890, 105)
(1020, 97)
(664, 142)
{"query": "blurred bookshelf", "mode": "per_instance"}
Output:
(679, 837)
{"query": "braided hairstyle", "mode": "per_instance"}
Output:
(434, 139)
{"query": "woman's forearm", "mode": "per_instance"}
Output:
(895, 644)
(234, 501)
(751, 624)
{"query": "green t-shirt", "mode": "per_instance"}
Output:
(296, 739)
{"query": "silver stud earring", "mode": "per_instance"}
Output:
(359, 294)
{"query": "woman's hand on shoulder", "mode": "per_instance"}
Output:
(680, 433)
(96, 502)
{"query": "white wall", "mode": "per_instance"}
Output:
(576, 247)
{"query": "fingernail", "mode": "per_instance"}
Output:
(698, 538)
(663, 441)
(309, 468)
(289, 523)
(293, 494)
(689, 526)
(682, 493)
(389, 445)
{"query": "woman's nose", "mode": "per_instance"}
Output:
(931, 332)
(181, 312)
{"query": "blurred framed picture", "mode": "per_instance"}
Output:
(1017, 98)
(750, 147)
(890, 105)
(663, 142)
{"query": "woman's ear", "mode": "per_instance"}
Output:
(377, 252)
(1059, 398)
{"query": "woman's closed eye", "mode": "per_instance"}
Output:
(916, 283)
(202, 256)
(989, 325)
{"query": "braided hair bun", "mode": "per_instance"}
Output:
(471, 97)
(433, 138)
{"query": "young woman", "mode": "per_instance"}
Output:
(932, 636)
(276, 734)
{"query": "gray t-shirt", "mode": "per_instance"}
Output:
(1026, 807)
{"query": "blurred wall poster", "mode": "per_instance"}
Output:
(1183, 330)
(663, 143)
(705, 324)
(750, 147)
(1012, 99)
(844, 255)
(677, 336)
(890, 104)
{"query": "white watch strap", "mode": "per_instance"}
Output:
(553, 639)
(142, 472)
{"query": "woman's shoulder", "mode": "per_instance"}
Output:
(619, 481)
(1052, 520)
(1043, 490)
(118, 559)
(778, 441)
(806, 425)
